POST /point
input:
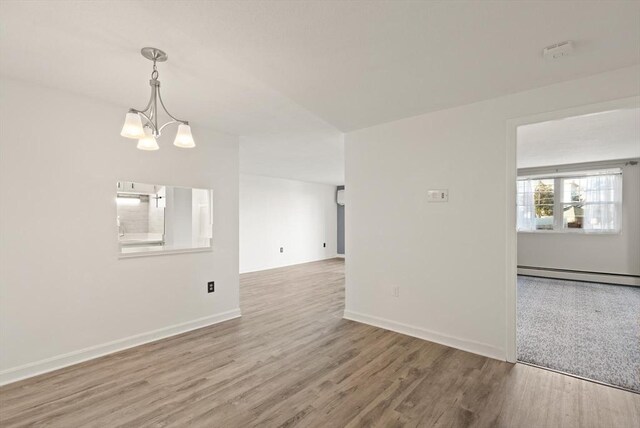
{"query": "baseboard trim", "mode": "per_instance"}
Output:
(431, 336)
(289, 264)
(25, 371)
(601, 278)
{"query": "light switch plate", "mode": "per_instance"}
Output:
(438, 195)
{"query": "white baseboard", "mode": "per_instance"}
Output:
(15, 374)
(602, 278)
(443, 339)
(340, 256)
(252, 270)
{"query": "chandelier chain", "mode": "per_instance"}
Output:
(154, 73)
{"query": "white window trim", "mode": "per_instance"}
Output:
(558, 205)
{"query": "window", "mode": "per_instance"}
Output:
(587, 201)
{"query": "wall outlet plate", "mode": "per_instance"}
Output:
(211, 286)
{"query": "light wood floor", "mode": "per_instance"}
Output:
(292, 360)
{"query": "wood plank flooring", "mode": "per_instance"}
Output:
(292, 360)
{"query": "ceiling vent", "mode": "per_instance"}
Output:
(559, 50)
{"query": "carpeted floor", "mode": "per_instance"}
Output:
(590, 330)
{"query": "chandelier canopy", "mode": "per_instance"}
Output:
(143, 126)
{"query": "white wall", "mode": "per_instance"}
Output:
(64, 294)
(610, 253)
(296, 215)
(449, 259)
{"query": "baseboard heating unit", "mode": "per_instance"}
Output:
(576, 275)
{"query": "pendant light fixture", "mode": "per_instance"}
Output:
(142, 125)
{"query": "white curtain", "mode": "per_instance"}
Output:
(526, 206)
(603, 203)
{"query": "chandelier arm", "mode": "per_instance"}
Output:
(147, 107)
(168, 123)
(149, 121)
(154, 95)
(169, 114)
(150, 103)
(147, 112)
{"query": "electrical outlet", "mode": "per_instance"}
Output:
(282, 249)
(324, 245)
(211, 287)
(396, 291)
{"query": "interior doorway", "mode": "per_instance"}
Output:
(576, 254)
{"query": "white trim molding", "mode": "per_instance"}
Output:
(25, 371)
(474, 347)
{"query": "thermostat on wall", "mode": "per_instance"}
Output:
(438, 195)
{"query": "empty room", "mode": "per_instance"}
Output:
(276, 213)
(579, 243)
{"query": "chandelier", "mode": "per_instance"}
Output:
(142, 125)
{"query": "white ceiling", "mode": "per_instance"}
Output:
(602, 136)
(291, 76)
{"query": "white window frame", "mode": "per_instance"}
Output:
(558, 204)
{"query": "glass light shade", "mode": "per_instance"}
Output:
(183, 137)
(132, 127)
(148, 142)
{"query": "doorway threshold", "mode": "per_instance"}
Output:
(577, 376)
